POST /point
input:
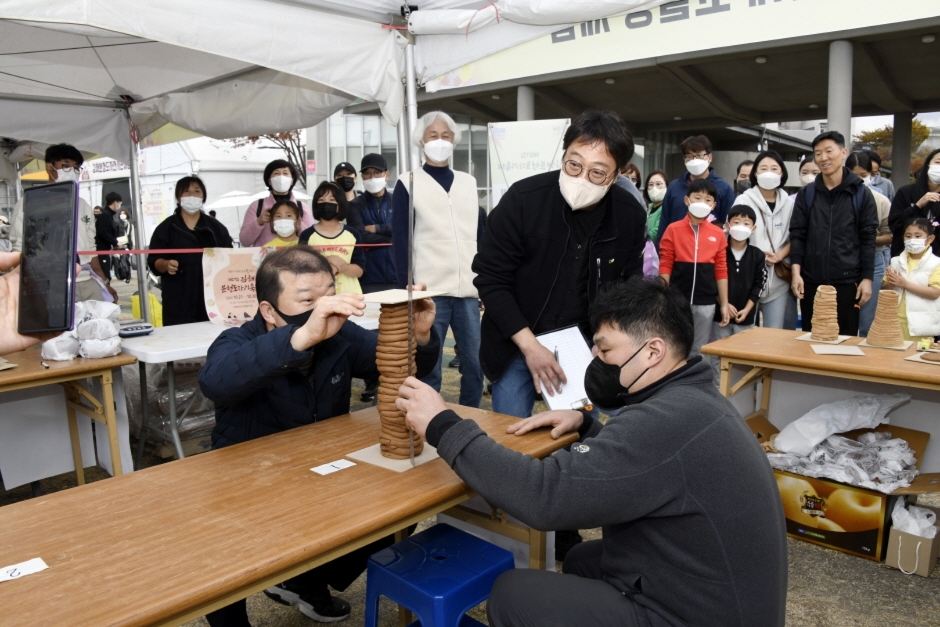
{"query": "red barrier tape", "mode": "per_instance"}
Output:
(180, 251)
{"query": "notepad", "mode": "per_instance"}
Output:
(573, 357)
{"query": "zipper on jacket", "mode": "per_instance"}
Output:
(694, 262)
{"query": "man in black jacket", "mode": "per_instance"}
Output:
(551, 245)
(693, 527)
(289, 367)
(832, 239)
(106, 231)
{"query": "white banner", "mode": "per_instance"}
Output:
(517, 150)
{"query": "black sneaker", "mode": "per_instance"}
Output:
(455, 362)
(564, 542)
(368, 394)
(323, 609)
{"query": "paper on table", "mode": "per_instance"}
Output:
(829, 349)
(573, 357)
(326, 469)
(22, 569)
(808, 337)
(6, 365)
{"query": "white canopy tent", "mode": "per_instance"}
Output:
(102, 74)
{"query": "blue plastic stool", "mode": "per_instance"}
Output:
(438, 574)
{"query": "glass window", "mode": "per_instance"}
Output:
(370, 133)
(389, 134)
(337, 130)
(391, 156)
(353, 130)
(354, 156)
(337, 155)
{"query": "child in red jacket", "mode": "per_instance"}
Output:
(692, 258)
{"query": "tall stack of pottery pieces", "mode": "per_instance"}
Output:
(391, 359)
(825, 315)
(886, 329)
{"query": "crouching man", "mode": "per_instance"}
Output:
(693, 528)
(291, 366)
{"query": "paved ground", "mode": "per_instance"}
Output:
(825, 589)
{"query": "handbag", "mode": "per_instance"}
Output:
(782, 269)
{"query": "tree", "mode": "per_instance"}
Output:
(289, 142)
(882, 140)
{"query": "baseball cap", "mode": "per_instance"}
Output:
(345, 165)
(374, 160)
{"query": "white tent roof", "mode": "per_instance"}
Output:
(226, 68)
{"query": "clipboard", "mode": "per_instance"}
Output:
(573, 355)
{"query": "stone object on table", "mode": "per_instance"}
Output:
(394, 353)
(886, 329)
(825, 315)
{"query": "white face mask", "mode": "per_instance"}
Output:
(68, 174)
(191, 204)
(696, 167)
(768, 180)
(285, 228)
(866, 180)
(124, 218)
(580, 192)
(656, 194)
(439, 150)
(281, 184)
(933, 173)
(739, 232)
(700, 210)
(915, 246)
(808, 179)
(374, 185)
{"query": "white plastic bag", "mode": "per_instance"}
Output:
(95, 349)
(61, 348)
(97, 329)
(860, 412)
(101, 309)
(916, 521)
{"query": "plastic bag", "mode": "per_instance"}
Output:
(860, 412)
(97, 329)
(99, 309)
(61, 348)
(916, 521)
(95, 349)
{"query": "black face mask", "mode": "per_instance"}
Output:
(602, 382)
(742, 186)
(298, 320)
(346, 182)
(325, 210)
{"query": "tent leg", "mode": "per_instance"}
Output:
(411, 100)
(141, 232)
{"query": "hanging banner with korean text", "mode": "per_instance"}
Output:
(517, 150)
(229, 283)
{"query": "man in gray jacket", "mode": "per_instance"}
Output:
(693, 528)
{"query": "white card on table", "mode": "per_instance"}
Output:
(339, 464)
(835, 349)
(22, 569)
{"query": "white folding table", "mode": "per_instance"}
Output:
(186, 341)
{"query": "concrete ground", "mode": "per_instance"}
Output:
(826, 588)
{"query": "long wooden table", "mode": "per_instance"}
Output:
(168, 544)
(31, 373)
(766, 350)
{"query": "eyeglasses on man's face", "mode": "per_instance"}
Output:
(595, 175)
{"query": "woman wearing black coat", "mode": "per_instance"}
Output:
(920, 199)
(181, 275)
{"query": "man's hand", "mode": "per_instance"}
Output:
(327, 318)
(10, 340)
(112, 292)
(863, 292)
(547, 374)
(420, 403)
(424, 313)
(168, 266)
(797, 286)
(563, 420)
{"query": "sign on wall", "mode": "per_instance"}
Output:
(517, 150)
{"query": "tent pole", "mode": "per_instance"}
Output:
(411, 100)
(141, 233)
(404, 153)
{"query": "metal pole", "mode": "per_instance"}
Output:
(404, 152)
(411, 100)
(840, 88)
(525, 103)
(141, 243)
(901, 151)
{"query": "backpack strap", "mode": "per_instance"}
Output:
(809, 195)
(260, 205)
(859, 199)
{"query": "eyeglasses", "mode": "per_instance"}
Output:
(695, 155)
(598, 177)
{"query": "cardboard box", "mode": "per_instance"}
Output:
(911, 554)
(842, 516)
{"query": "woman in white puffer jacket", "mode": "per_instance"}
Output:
(773, 207)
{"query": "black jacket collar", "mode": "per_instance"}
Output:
(692, 370)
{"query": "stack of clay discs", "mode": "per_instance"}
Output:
(886, 329)
(825, 315)
(391, 359)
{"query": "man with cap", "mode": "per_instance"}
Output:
(371, 215)
(344, 175)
